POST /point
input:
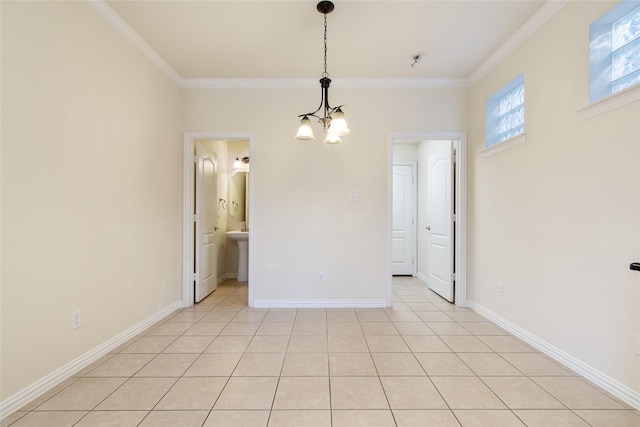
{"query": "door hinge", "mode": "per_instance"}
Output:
(454, 155)
(195, 276)
(413, 179)
(195, 159)
(195, 217)
(453, 277)
(413, 221)
(453, 217)
(413, 261)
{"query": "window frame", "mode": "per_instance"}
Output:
(601, 51)
(492, 119)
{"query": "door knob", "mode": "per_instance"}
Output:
(216, 228)
(428, 227)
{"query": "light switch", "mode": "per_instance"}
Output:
(353, 195)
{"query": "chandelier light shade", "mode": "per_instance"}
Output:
(305, 133)
(332, 119)
(332, 138)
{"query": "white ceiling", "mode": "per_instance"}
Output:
(240, 39)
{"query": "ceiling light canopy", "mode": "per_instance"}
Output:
(332, 120)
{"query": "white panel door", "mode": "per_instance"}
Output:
(206, 223)
(440, 222)
(403, 239)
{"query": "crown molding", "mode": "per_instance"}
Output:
(410, 83)
(306, 83)
(116, 21)
(533, 24)
(548, 10)
(232, 83)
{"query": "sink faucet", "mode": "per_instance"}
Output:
(244, 227)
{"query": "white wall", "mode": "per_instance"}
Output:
(556, 219)
(91, 187)
(304, 222)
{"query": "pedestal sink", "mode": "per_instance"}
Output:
(242, 238)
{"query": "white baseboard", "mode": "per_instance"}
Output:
(422, 277)
(18, 400)
(373, 303)
(612, 386)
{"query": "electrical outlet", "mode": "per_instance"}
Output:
(75, 320)
(353, 195)
(500, 289)
(320, 277)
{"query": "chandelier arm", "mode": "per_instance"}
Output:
(325, 82)
(311, 115)
(331, 110)
(322, 102)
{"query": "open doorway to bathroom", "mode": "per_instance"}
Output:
(216, 212)
(427, 237)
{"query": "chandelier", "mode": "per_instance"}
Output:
(332, 120)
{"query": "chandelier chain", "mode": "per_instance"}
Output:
(325, 74)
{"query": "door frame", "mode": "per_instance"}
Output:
(188, 187)
(460, 144)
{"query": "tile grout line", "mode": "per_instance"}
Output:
(231, 300)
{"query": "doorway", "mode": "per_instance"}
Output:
(190, 248)
(440, 213)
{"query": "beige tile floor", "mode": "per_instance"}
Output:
(423, 362)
